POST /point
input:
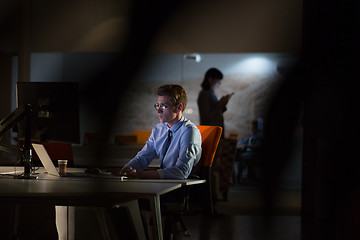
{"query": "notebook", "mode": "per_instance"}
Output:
(51, 169)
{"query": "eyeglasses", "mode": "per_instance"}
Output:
(158, 106)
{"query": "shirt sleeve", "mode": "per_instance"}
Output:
(144, 157)
(258, 141)
(189, 155)
(244, 141)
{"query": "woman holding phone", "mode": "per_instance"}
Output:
(211, 108)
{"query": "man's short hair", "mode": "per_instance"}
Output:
(176, 93)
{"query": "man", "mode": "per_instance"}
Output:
(184, 151)
(248, 151)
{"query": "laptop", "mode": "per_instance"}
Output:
(51, 169)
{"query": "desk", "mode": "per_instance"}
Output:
(69, 191)
(88, 192)
(185, 182)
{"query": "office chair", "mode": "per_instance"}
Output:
(210, 137)
(202, 194)
(224, 165)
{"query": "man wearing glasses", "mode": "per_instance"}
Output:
(176, 140)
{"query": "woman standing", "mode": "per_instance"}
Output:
(211, 109)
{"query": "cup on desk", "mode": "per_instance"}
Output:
(62, 164)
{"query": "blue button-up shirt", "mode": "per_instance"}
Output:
(183, 153)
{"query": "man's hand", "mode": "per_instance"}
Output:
(125, 171)
(132, 173)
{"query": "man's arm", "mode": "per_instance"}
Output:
(140, 161)
(132, 173)
(148, 174)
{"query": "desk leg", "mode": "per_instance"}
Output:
(135, 216)
(65, 222)
(16, 214)
(106, 230)
(156, 216)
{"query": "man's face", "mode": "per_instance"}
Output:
(170, 112)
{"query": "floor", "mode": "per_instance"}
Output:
(241, 217)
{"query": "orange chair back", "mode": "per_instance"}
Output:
(210, 137)
(142, 135)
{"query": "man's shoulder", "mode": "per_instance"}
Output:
(159, 128)
(190, 126)
(159, 131)
(190, 132)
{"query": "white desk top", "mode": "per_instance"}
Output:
(78, 190)
(67, 185)
(69, 191)
(85, 186)
(186, 182)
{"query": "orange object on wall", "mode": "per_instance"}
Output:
(125, 139)
(142, 135)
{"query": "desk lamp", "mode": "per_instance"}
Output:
(22, 112)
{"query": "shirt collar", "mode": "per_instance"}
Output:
(177, 125)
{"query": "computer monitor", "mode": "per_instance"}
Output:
(55, 110)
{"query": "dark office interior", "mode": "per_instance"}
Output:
(106, 45)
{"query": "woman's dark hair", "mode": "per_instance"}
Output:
(211, 73)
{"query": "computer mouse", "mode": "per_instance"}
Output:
(93, 170)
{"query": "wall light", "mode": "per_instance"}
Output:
(192, 57)
(255, 64)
